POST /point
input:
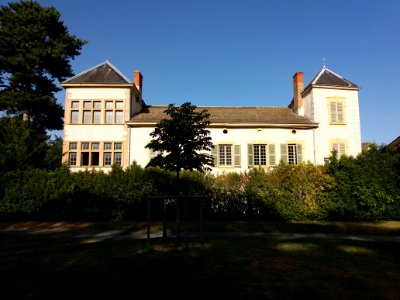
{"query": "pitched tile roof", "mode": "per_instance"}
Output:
(326, 77)
(395, 144)
(104, 73)
(231, 115)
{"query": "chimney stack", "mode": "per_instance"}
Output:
(138, 79)
(298, 87)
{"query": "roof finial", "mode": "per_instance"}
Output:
(324, 62)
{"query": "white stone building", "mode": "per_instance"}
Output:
(107, 122)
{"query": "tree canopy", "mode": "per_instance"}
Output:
(182, 139)
(35, 52)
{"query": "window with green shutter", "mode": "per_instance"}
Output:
(261, 155)
(226, 155)
(291, 153)
(336, 113)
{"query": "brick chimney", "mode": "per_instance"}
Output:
(298, 87)
(138, 79)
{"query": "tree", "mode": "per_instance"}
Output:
(22, 145)
(181, 139)
(35, 50)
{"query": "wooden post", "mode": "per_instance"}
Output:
(178, 224)
(165, 220)
(186, 221)
(148, 220)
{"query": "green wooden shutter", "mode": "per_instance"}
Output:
(333, 112)
(250, 155)
(340, 116)
(214, 153)
(299, 153)
(342, 148)
(271, 150)
(284, 154)
(236, 154)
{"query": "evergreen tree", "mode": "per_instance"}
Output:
(35, 52)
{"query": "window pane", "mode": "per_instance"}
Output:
(95, 146)
(75, 104)
(109, 117)
(85, 146)
(86, 117)
(117, 158)
(117, 146)
(96, 117)
(74, 116)
(292, 154)
(119, 104)
(97, 104)
(87, 104)
(109, 104)
(225, 154)
(260, 157)
(85, 158)
(118, 117)
(107, 146)
(95, 158)
(72, 146)
(107, 158)
(72, 158)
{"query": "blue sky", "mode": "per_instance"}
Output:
(223, 53)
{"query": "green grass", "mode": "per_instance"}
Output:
(41, 267)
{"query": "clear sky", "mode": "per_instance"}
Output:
(244, 53)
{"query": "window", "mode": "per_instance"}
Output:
(72, 159)
(117, 158)
(74, 117)
(291, 153)
(339, 147)
(261, 155)
(119, 117)
(85, 146)
(226, 155)
(86, 116)
(97, 112)
(96, 117)
(95, 154)
(107, 146)
(336, 107)
(109, 116)
(107, 158)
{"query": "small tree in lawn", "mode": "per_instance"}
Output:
(181, 139)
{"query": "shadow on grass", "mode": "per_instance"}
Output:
(37, 267)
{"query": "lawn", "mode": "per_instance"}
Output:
(44, 267)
